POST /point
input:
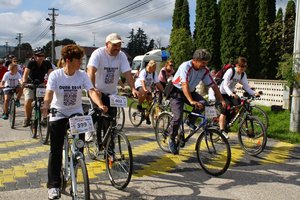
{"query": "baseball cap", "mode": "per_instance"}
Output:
(113, 38)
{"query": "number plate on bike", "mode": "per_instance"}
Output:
(81, 124)
(210, 112)
(117, 101)
(40, 92)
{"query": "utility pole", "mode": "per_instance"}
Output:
(19, 36)
(6, 48)
(94, 38)
(295, 107)
(52, 27)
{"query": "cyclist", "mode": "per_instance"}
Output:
(187, 77)
(165, 74)
(64, 92)
(35, 70)
(231, 77)
(143, 84)
(104, 68)
(11, 79)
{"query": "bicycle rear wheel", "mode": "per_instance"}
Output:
(213, 152)
(135, 116)
(82, 186)
(43, 130)
(33, 123)
(12, 112)
(120, 118)
(261, 115)
(252, 135)
(162, 130)
(119, 160)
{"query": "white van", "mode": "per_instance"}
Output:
(140, 62)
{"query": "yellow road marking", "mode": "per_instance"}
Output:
(279, 153)
(4, 145)
(23, 153)
(236, 154)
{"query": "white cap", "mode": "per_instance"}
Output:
(113, 38)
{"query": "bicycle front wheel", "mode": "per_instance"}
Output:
(213, 152)
(135, 116)
(43, 130)
(252, 135)
(120, 118)
(81, 188)
(162, 130)
(119, 160)
(155, 111)
(33, 123)
(12, 112)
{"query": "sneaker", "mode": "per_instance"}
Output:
(148, 121)
(18, 104)
(191, 125)
(53, 193)
(225, 134)
(173, 147)
(5, 116)
(26, 122)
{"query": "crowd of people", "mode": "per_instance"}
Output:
(105, 66)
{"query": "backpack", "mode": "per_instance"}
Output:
(219, 75)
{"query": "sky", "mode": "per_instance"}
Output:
(28, 17)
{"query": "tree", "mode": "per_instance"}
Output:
(176, 20)
(267, 10)
(185, 17)
(63, 42)
(228, 30)
(181, 46)
(151, 45)
(289, 27)
(278, 35)
(207, 29)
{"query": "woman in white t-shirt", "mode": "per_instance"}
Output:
(64, 92)
(11, 79)
(143, 84)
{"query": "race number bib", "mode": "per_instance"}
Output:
(81, 124)
(210, 112)
(40, 92)
(117, 101)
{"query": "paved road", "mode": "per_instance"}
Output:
(275, 174)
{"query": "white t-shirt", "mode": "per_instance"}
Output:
(11, 80)
(67, 92)
(147, 77)
(109, 69)
(228, 85)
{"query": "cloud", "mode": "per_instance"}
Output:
(10, 3)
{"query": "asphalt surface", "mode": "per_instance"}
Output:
(274, 174)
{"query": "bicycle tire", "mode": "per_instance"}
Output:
(120, 118)
(44, 133)
(213, 152)
(162, 130)
(135, 116)
(12, 112)
(261, 115)
(81, 182)
(33, 124)
(2, 101)
(119, 160)
(252, 135)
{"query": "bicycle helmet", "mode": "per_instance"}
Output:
(38, 50)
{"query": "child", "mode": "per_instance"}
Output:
(11, 79)
(144, 82)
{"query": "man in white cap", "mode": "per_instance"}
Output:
(104, 69)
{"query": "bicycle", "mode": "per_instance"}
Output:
(2, 99)
(213, 149)
(116, 150)
(73, 165)
(252, 134)
(151, 109)
(11, 106)
(38, 124)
